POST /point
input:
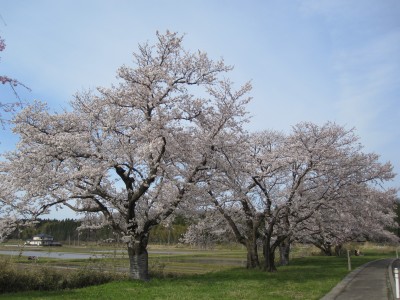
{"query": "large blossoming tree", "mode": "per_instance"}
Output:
(363, 213)
(132, 152)
(10, 214)
(271, 191)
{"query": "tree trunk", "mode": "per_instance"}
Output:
(252, 255)
(338, 249)
(284, 251)
(139, 262)
(324, 247)
(327, 250)
(269, 256)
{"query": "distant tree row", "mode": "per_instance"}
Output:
(69, 231)
(61, 230)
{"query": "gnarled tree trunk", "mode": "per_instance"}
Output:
(269, 255)
(338, 249)
(326, 248)
(252, 254)
(138, 261)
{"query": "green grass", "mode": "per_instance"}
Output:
(179, 261)
(305, 278)
(200, 274)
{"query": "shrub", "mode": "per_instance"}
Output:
(17, 278)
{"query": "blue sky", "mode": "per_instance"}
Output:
(310, 60)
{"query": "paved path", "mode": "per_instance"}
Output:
(369, 282)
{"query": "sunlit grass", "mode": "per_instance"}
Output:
(307, 277)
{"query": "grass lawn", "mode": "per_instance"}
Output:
(305, 278)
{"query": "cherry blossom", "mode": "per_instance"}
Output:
(132, 152)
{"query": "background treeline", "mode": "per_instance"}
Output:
(68, 232)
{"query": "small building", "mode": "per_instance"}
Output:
(42, 239)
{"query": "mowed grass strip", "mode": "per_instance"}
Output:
(305, 278)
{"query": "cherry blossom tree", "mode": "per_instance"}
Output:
(5, 79)
(7, 221)
(208, 230)
(366, 214)
(9, 218)
(281, 181)
(316, 167)
(132, 152)
(233, 192)
(284, 180)
(13, 214)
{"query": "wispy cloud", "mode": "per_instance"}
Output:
(368, 73)
(365, 58)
